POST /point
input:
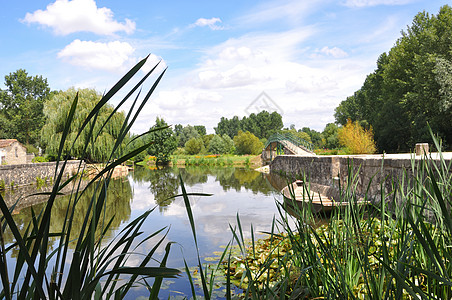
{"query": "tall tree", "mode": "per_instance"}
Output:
(409, 87)
(165, 141)
(316, 137)
(100, 143)
(329, 134)
(186, 133)
(21, 106)
(230, 127)
(201, 129)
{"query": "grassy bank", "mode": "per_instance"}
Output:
(213, 160)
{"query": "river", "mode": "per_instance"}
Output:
(234, 192)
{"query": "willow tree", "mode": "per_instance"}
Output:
(94, 149)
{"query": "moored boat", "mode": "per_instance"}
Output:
(297, 194)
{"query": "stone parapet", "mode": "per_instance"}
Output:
(372, 171)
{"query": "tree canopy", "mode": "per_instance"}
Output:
(21, 107)
(164, 141)
(412, 86)
(261, 125)
(56, 110)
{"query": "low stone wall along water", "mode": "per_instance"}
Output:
(27, 174)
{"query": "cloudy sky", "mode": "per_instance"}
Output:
(224, 58)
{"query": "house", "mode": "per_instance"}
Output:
(12, 152)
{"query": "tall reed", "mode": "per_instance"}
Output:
(397, 248)
(94, 268)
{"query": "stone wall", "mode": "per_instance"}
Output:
(370, 170)
(21, 196)
(26, 174)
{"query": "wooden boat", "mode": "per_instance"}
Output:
(296, 194)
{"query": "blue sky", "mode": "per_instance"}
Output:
(307, 56)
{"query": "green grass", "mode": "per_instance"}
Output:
(212, 160)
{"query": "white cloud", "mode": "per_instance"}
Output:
(311, 84)
(233, 73)
(293, 11)
(66, 17)
(212, 23)
(112, 56)
(364, 3)
(334, 52)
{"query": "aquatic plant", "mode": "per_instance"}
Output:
(399, 248)
(94, 269)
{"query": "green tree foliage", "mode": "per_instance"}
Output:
(261, 125)
(185, 133)
(230, 127)
(207, 138)
(329, 136)
(164, 141)
(21, 107)
(56, 110)
(135, 143)
(247, 143)
(201, 129)
(221, 145)
(316, 137)
(410, 87)
(301, 134)
(194, 146)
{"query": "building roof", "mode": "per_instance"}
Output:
(6, 142)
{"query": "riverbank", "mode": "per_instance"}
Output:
(252, 161)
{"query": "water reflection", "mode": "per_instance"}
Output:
(234, 191)
(164, 182)
(117, 207)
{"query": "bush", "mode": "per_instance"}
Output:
(247, 143)
(40, 159)
(194, 146)
(221, 145)
(357, 139)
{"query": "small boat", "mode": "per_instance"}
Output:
(297, 194)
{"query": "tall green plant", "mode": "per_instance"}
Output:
(398, 248)
(96, 269)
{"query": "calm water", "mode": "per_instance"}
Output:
(234, 191)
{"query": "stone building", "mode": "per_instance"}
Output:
(12, 152)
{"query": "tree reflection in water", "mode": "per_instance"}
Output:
(117, 206)
(164, 181)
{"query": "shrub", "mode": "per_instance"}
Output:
(247, 143)
(357, 139)
(40, 159)
(194, 146)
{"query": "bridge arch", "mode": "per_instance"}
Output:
(285, 144)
